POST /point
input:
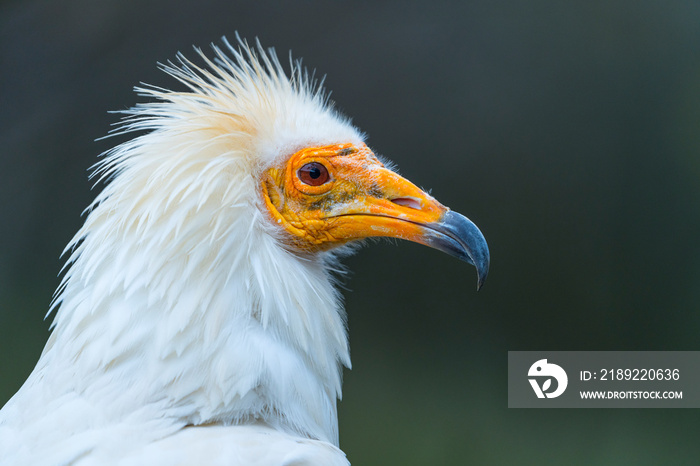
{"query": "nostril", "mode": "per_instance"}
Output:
(407, 202)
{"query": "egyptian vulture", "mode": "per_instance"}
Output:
(197, 322)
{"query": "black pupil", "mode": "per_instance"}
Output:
(314, 172)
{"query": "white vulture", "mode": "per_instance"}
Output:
(197, 322)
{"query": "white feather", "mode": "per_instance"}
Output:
(180, 306)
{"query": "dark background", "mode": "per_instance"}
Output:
(568, 131)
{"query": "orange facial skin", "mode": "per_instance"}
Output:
(359, 198)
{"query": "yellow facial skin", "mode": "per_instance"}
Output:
(359, 199)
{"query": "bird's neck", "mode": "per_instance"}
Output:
(207, 319)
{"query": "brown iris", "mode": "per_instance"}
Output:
(313, 174)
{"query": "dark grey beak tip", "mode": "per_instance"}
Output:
(457, 236)
(482, 263)
(481, 279)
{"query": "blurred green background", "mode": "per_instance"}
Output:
(568, 131)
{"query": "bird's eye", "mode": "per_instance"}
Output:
(314, 174)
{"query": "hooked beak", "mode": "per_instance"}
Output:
(397, 208)
(457, 236)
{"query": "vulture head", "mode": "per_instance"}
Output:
(198, 299)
